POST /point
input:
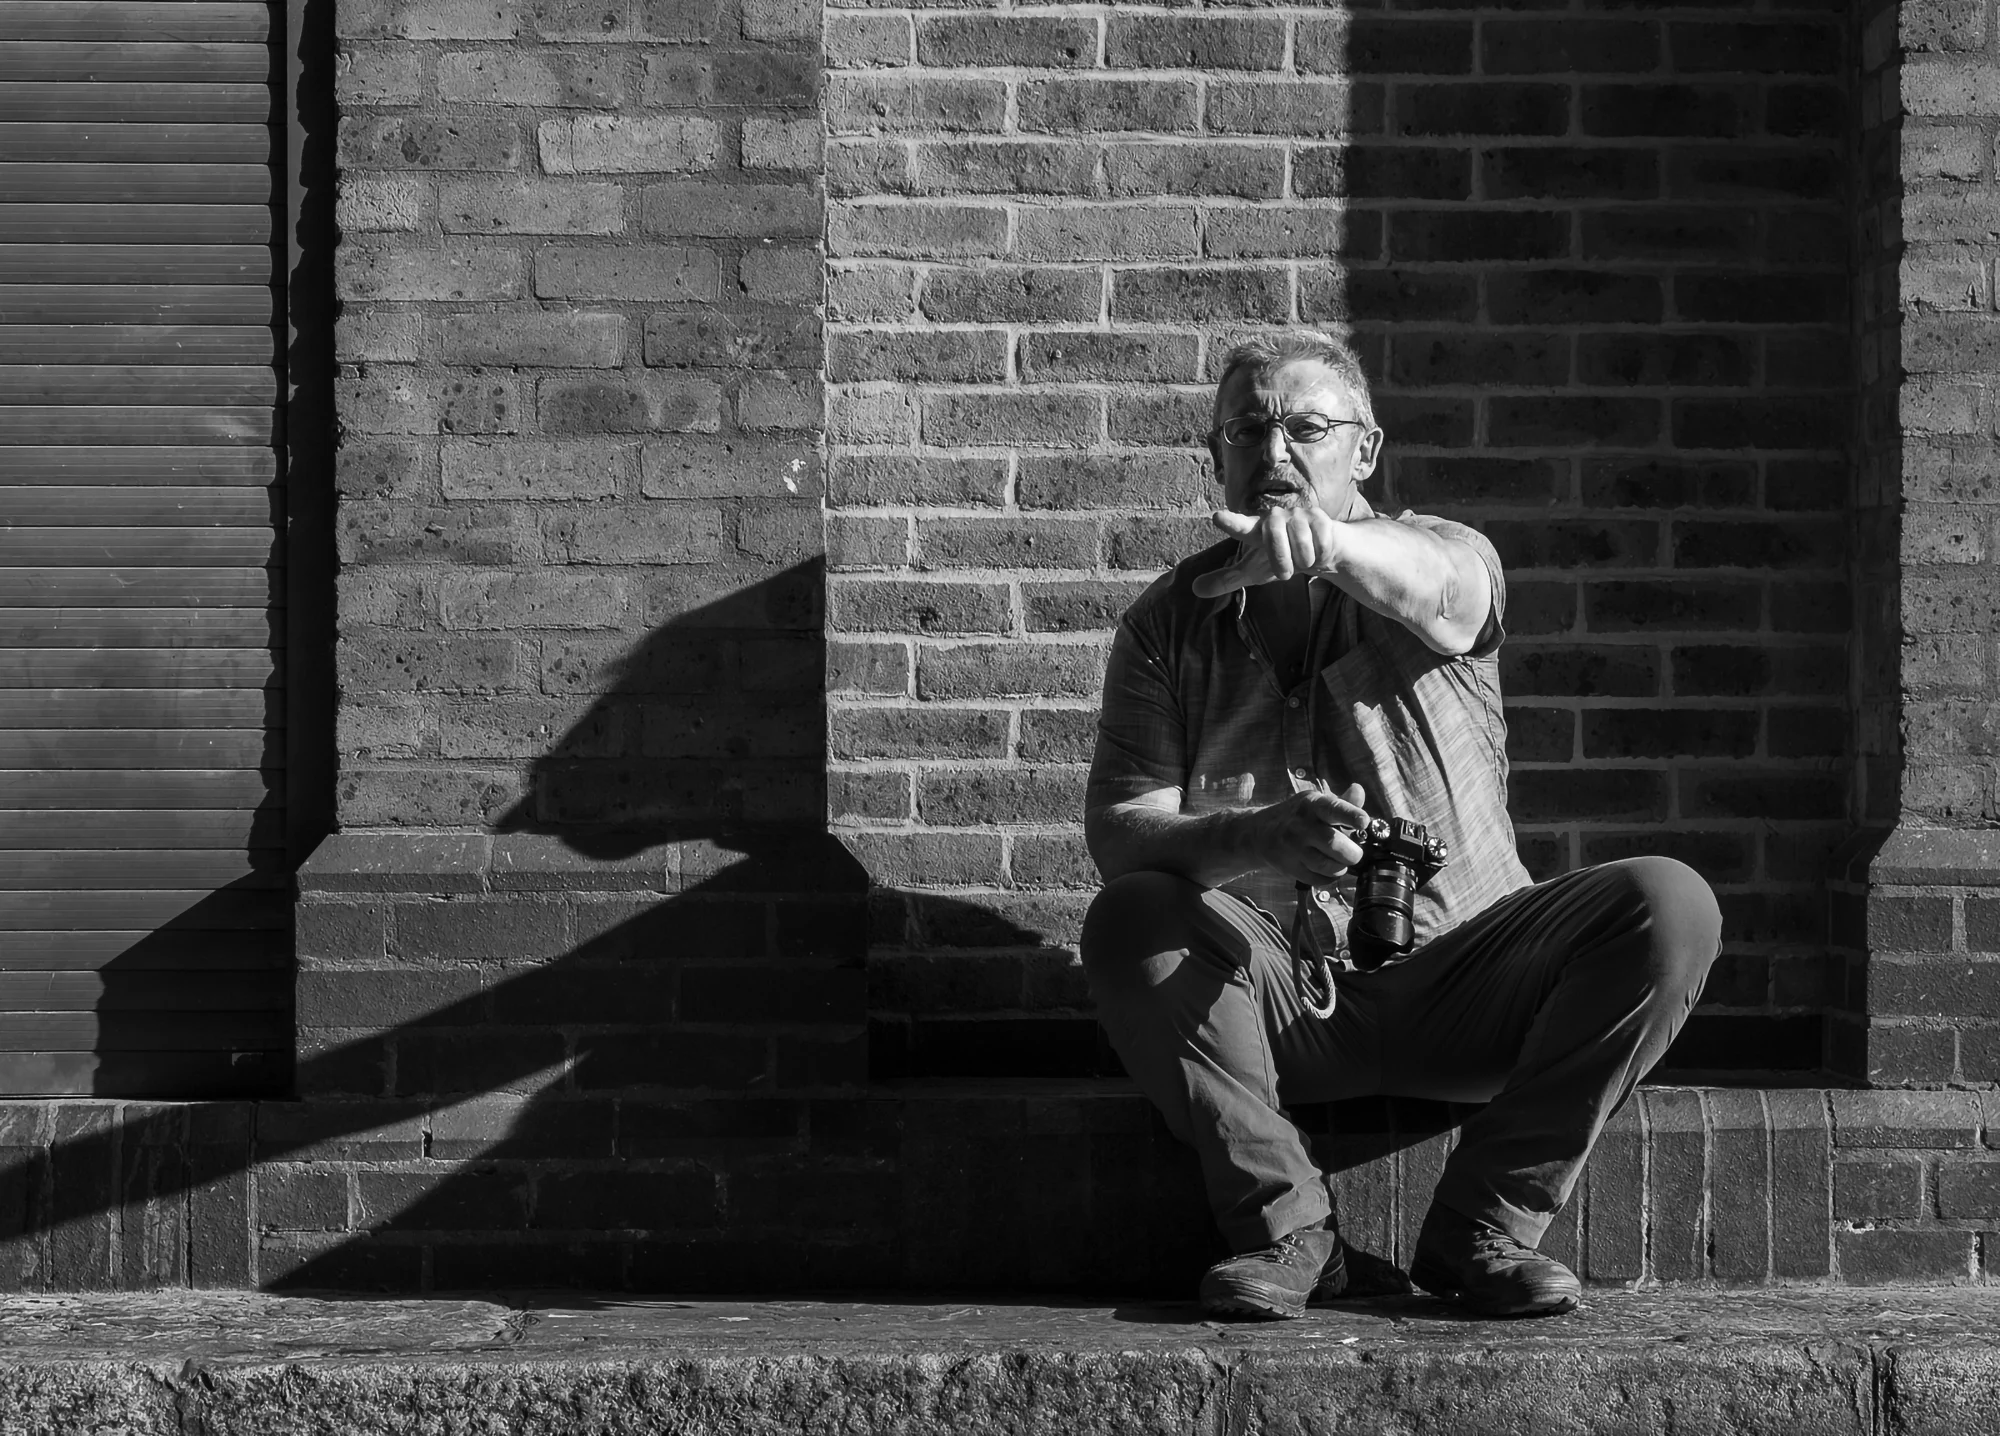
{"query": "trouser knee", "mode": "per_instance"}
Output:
(1683, 921)
(1131, 918)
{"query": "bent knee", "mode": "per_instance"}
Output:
(1682, 916)
(1135, 915)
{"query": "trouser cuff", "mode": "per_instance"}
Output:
(1482, 1204)
(1299, 1208)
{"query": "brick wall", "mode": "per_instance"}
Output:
(569, 230)
(1915, 900)
(1597, 263)
(580, 605)
(1950, 219)
(580, 979)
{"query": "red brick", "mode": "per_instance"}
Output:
(1036, 41)
(1009, 294)
(1615, 1178)
(1888, 1255)
(1676, 1178)
(1800, 1176)
(1492, 108)
(1196, 42)
(977, 796)
(1867, 1191)
(1740, 1187)
(1067, 105)
(1009, 670)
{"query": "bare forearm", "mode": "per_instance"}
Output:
(1206, 848)
(1416, 578)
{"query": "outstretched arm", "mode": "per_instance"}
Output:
(1436, 587)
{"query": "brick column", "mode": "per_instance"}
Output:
(581, 905)
(1926, 975)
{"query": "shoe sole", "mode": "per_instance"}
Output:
(1254, 1301)
(1445, 1288)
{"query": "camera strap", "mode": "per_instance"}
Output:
(1310, 964)
(1312, 969)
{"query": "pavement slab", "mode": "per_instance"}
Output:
(1823, 1361)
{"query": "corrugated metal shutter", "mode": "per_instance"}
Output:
(143, 907)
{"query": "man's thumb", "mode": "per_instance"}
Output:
(1222, 580)
(1234, 524)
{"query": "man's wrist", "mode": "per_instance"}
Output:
(1240, 838)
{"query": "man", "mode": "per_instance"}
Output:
(1319, 667)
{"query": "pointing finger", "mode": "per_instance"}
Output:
(1234, 524)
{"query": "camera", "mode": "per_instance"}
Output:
(1397, 857)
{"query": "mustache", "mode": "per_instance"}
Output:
(1285, 480)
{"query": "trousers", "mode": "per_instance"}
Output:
(1548, 1007)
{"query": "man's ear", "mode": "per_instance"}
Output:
(1366, 453)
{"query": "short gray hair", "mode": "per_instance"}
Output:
(1267, 351)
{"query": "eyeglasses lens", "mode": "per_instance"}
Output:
(1251, 430)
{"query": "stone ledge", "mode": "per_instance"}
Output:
(1758, 1363)
(1926, 857)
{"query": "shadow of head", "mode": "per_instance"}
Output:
(713, 723)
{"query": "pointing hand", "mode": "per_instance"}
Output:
(1273, 547)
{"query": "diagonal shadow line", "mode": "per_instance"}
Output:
(702, 775)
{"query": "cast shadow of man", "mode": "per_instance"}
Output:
(687, 1031)
(702, 1020)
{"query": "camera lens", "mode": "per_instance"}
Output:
(1382, 928)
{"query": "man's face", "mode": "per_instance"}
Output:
(1279, 471)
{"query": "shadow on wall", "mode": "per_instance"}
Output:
(673, 1086)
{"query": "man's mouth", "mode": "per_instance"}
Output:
(1275, 493)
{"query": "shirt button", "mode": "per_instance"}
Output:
(1302, 775)
(1322, 894)
(1292, 702)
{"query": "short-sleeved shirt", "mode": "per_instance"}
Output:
(1193, 706)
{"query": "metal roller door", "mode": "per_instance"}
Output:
(143, 909)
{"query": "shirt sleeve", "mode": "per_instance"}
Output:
(1141, 736)
(1495, 632)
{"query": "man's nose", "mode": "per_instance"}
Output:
(1274, 446)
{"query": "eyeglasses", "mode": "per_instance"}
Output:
(1250, 431)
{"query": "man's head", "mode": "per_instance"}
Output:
(1275, 395)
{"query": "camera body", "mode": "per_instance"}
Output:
(1397, 857)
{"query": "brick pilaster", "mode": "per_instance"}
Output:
(1925, 673)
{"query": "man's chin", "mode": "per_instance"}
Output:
(1273, 501)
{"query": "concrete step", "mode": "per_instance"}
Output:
(1814, 1361)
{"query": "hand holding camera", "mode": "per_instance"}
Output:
(1309, 837)
(1317, 837)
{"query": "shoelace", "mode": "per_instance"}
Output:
(1498, 1244)
(1288, 1243)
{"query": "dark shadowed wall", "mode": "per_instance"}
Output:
(1596, 258)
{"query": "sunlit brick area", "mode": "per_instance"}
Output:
(1597, 263)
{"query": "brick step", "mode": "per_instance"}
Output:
(1025, 1186)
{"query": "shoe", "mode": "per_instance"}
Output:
(1276, 1282)
(1486, 1271)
